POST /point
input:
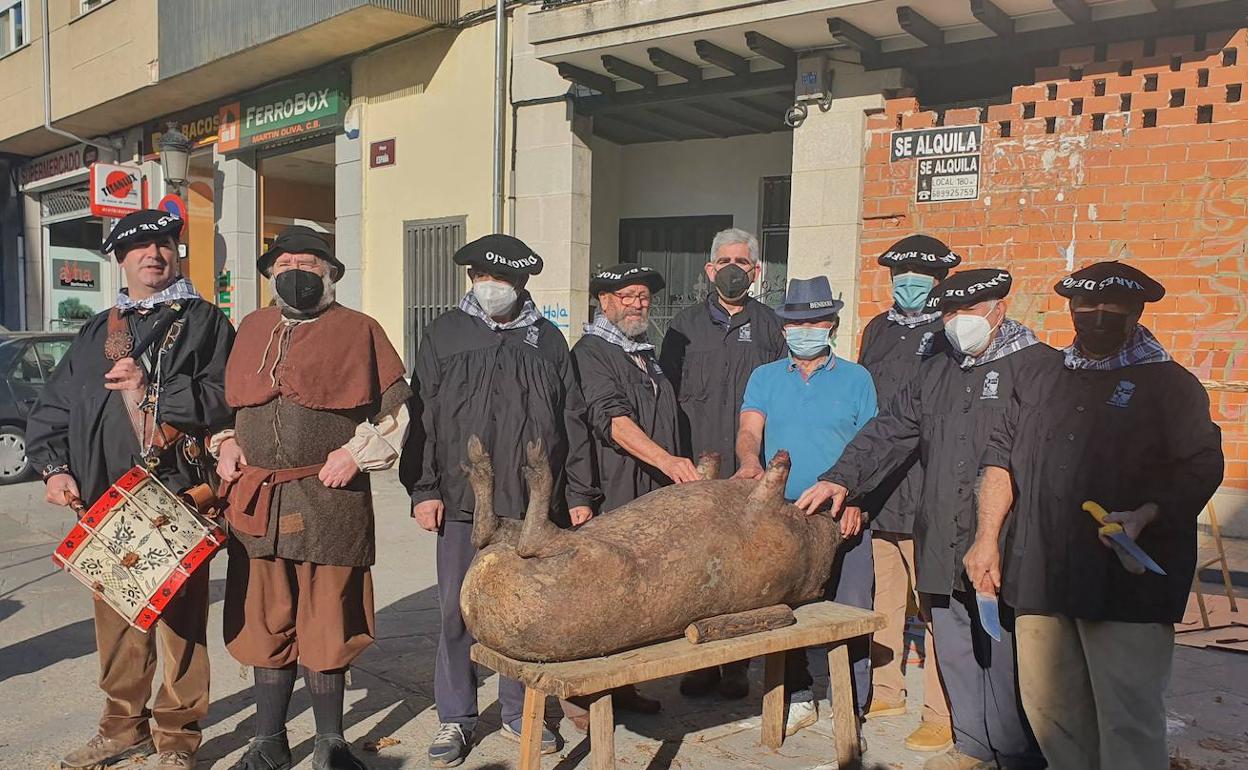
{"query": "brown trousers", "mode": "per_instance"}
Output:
(894, 588)
(128, 665)
(1094, 690)
(279, 612)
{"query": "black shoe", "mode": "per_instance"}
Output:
(696, 684)
(450, 745)
(332, 752)
(268, 752)
(734, 681)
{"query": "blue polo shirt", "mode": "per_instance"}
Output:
(813, 419)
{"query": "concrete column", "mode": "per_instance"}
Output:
(552, 185)
(829, 154)
(32, 256)
(349, 220)
(237, 213)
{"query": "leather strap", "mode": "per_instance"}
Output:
(248, 499)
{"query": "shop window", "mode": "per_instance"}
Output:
(86, 6)
(12, 26)
(773, 238)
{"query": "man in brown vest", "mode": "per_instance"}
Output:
(84, 433)
(321, 402)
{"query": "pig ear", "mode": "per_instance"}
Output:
(770, 489)
(708, 465)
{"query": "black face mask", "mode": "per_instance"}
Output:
(1101, 332)
(301, 289)
(732, 282)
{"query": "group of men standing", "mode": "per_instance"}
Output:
(956, 454)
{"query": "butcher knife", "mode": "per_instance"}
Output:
(989, 614)
(1114, 532)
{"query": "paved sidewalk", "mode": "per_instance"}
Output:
(49, 701)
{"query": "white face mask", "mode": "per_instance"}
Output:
(969, 334)
(496, 299)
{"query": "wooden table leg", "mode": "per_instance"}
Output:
(844, 713)
(773, 700)
(531, 724)
(602, 732)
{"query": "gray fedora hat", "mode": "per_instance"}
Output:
(809, 299)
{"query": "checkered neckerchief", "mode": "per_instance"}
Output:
(898, 317)
(1141, 348)
(178, 290)
(1010, 338)
(601, 327)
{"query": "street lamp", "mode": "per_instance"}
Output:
(175, 155)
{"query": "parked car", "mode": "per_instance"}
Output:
(26, 362)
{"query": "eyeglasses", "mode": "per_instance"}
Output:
(629, 300)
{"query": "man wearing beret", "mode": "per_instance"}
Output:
(811, 403)
(708, 353)
(1119, 424)
(894, 344)
(496, 369)
(96, 418)
(945, 412)
(322, 403)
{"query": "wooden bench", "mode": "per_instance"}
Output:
(817, 624)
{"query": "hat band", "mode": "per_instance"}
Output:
(826, 304)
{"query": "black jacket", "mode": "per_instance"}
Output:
(945, 413)
(615, 386)
(509, 387)
(1121, 438)
(709, 355)
(79, 423)
(892, 353)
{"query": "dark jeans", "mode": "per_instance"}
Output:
(852, 583)
(454, 675)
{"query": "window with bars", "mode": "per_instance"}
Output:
(433, 283)
(89, 5)
(12, 26)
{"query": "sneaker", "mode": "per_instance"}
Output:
(734, 681)
(550, 741)
(696, 684)
(802, 714)
(332, 752)
(930, 737)
(882, 708)
(176, 760)
(956, 760)
(450, 745)
(269, 752)
(106, 751)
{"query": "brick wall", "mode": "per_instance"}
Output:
(1136, 151)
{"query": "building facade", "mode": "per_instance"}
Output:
(1026, 133)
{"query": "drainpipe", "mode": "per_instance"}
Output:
(47, 88)
(500, 106)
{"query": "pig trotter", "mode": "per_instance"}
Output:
(538, 531)
(480, 473)
(708, 465)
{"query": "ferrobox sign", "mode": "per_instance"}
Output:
(948, 161)
(116, 190)
(285, 112)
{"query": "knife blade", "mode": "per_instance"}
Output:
(989, 614)
(1114, 532)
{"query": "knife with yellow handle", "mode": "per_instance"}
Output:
(1114, 532)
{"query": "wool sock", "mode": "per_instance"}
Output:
(273, 689)
(327, 689)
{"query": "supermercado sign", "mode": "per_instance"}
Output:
(284, 112)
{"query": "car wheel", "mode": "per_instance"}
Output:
(14, 465)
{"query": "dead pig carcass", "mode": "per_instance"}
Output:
(642, 572)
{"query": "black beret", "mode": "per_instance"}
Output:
(500, 255)
(144, 225)
(300, 239)
(968, 287)
(920, 252)
(1111, 282)
(629, 274)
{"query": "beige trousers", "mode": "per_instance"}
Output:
(894, 589)
(1094, 690)
(128, 665)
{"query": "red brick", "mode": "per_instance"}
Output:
(1029, 93)
(1116, 121)
(962, 116)
(998, 112)
(1074, 89)
(1145, 174)
(1187, 134)
(1081, 55)
(1225, 76)
(1053, 109)
(1101, 104)
(1124, 193)
(1152, 65)
(1128, 50)
(1124, 84)
(925, 120)
(1177, 116)
(1052, 74)
(1130, 156)
(1177, 44)
(1209, 151)
(1166, 81)
(1167, 153)
(1149, 100)
(1033, 127)
(1237, 112)
(901, 106)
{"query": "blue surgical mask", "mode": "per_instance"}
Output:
(807, 341)
(910, 291)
